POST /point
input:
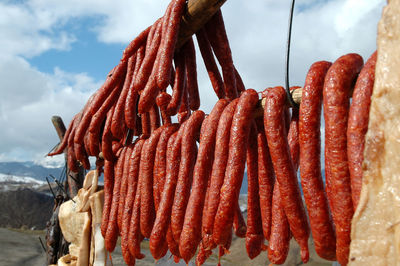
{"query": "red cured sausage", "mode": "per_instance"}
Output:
(168, 44)
(163, 99)
(86, 145)
(81, 155)
(113, 80)
(179, 83)
(154, 115)
(106, 140)
(152, 46)
(132, 97)
(338, 83)
(98, 117)
(219, 41)
(203, 254)
(145, 119)
(358, 125)
(173, 245)
(191, 75)
(134, 45)
(254, 234)
(239, 225)
(135, 237)
(151, 89)
(230, 189)
(185, 177)
(71, 159)
(132, 181)
(239, 82)
(191, 231)
(278, 245)
(162, 221)
(284, 168)
(222, 250)
(266, 177)
(147, 210)
(159, 170)
(108, 192)
(61, 147)
(118, 119)
(206, 241)
(218, 171)
(310, 164)
(124, 185)
(112, 228)
(293, 139)
(97, 121)
(209, 61)
(184, 110)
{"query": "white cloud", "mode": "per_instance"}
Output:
(30, 99)
(322, 30)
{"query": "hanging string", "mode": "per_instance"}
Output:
(289, 95)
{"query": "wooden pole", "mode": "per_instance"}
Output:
(197, 14)
(74, 180)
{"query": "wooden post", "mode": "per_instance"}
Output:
(74, 180)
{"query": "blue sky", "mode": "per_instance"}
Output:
(55, 54)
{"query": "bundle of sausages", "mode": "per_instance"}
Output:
(183, 196)
(330, 209)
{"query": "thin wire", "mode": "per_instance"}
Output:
(289, 95)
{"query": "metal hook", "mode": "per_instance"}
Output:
(289, 95)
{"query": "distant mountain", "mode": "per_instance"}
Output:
(28, 169)
(25, 207)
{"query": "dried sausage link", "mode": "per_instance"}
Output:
(358, 125)
(217, 171)
(266, 178)
(209, 61)
(191, 75)
(254, 234)
(147, 210)
(132, 97)
(310, 164)
(108, 193)
(124, 185)
(112, 228)
(118, 119)
(284, 168)
(338, 83)
(162, 221)
(160, 162)
(219, 41)
(186, 167)
(179, 83)
(191, 232)
(230, 189)
(278, 245)
(132, 181)
(168, 44)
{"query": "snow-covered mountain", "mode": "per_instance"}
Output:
(27, 171)
(19, 179)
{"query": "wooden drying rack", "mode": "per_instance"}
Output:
(197, 13)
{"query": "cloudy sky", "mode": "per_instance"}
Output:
(55, 54)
